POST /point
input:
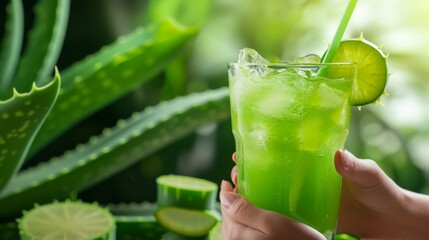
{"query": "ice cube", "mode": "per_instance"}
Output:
(277, 101)
(257, 64)
(329, 97)
(309, 134)
(248, 55)
(258, 138)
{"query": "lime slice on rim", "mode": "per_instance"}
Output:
(372, 70)
(186, 222)
(67, 221)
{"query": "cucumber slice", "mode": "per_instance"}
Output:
(67, 221)
(186, 192)
(185, 222)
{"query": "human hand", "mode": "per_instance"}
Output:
(242, 220)
(374, 207)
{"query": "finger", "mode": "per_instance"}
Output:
(238, 210)
(234, 157)
(234, 177)
(232, 229)
(365, 173)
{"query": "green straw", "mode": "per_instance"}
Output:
(340, 32)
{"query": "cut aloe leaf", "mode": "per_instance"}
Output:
(186, 192)
(185, 222)
(67, 221)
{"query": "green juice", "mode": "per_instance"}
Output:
(288, 122)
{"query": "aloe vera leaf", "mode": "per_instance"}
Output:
(116, 149)
(44, 44)
(11, 46)
(20, 118)
(109, 74)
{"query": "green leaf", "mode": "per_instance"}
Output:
(44, 44)
(175, 79)
(190, 13)
(117, 149)
(100, 79)
(11, 47)
(20, 118)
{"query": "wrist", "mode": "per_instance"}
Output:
(415, 217)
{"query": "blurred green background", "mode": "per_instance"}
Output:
(395, 134)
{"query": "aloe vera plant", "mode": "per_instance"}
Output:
(36, 107)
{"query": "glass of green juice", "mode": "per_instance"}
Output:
(288, 120)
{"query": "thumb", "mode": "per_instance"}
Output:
(238, 208)
(365, 173)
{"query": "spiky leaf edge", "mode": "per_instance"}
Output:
(39, 59)
(17, 137)
(101, 78)
(117, 148)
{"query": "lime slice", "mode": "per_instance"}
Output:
(186, 192)
(185, 222)
(372, 71)
(67, 221)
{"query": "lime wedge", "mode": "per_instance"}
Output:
(186, 192)
(185, 222)
(372, 70)
(67, 221)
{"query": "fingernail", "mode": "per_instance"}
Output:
(228, 198)
(346, 160)
(235, 179)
